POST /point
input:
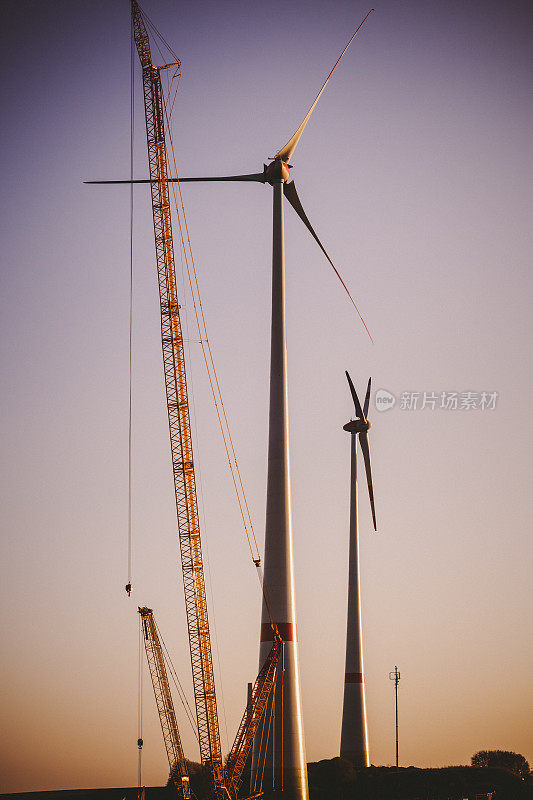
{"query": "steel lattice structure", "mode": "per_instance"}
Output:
(178, 415)
(165, 706)
(252, 717)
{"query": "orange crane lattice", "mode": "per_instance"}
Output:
(178, 414)
(165, 706)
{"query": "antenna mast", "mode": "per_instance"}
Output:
(395, 676)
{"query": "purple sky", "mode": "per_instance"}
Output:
(416, 171)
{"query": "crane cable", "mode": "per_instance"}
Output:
(209, 362)
(216, 391)
(183, 256)
(213, 378)
(267, 724)
(270, 727)
(157, 34)
(177, 683)
(178, 75)
(140, 791)
(132, 121)
(140, 707)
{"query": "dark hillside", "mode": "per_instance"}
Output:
(336, 779)
(129, 793)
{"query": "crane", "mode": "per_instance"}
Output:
(165, 706)
(225, 782)
(251, 719)
(178, 413)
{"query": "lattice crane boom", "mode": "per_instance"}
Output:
(178, 414)
(252, 717)
(165, 706)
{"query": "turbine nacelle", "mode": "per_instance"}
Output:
(277, 171)
(357, 426)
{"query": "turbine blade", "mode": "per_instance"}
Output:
(363, 441)
(289, 190)
(258, 177)
(358, 411)
(367, 398)
(286, 152)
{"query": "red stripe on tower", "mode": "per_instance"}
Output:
(353, 677)
(287, 632)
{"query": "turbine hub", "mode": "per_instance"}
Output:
(277, 171)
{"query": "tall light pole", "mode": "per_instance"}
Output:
(395, 676)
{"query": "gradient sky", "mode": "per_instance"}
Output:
(416, 171)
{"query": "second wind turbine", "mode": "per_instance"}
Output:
(354, 735)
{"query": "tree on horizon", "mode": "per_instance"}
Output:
(504, 759)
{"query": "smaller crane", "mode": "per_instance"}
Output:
(250, 721)
(165, 706)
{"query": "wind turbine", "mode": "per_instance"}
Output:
(354, 736)
(286, 762)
